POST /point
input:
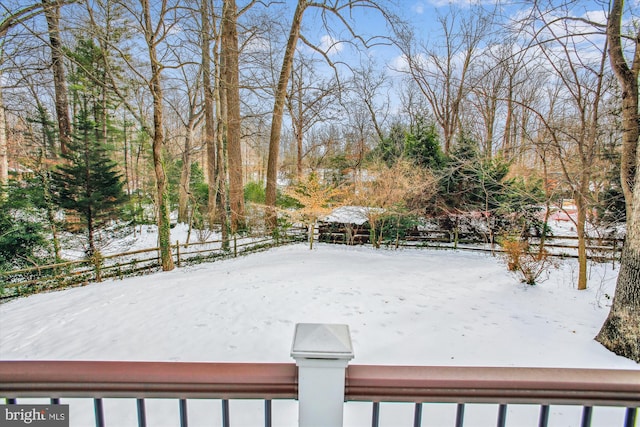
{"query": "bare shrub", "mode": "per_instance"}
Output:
(521, 259)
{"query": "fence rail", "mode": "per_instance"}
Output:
(600, 248)
(127, 264)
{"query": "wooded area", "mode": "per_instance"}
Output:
(120, 112)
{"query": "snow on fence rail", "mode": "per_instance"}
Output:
(72, 273)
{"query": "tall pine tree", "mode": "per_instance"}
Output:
(88, 183)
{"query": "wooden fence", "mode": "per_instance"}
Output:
(598, 248)
(81, 272)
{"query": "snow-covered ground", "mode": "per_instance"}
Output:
(403, 307)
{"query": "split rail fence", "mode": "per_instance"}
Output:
(134, 263)
(598, 248)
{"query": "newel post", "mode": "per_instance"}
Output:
(322, 353)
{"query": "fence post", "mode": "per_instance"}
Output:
(322, 353)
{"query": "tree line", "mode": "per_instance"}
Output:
(187, 106)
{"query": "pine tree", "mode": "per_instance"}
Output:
(422, 146)
(391, 147)
(23, 241)
(89, 183)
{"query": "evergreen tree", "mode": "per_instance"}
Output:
(391, 148)
(459, 177)
(475, 182)
(89, 183)
(22, 236)
(422, 146)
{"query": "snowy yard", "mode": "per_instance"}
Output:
(407, 307)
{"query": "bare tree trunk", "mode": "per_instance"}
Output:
(621, 331)
(278, 112)
(299, 155)
(628, 79)
(162, 191)
(230, 78)
(295, 106)
(50, 209)
(220, 99)
(221, 173)
(59, 78)
(581, 205)
(490, 127)
(4, 157)
(506, 140)
(185, 178)
(209, 126)
(547, 201)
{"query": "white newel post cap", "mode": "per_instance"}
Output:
(322, 341)
(322, 353)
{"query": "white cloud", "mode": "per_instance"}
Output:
(330, 45)
(461, 3)
(257, 45)
(418, 8)
(400, 63)
(599, 16)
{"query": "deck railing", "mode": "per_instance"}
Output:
(144, 380)
(310, 379)
(497, 385)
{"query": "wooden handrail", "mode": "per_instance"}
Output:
(148, 379)
(588, 387)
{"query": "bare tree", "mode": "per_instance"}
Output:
(360, 136)
(278, 112)
(52, 13)
(627, 74)
(339, 10)
(621, 331)
(441, 72)
(216, 170)
(188, 110)
(231, 86)
(369, 86)
(500, 81)
(208, 104)
(308, 102)
(4, 159)
(12, 19)
(154, 35)
(574, 116)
